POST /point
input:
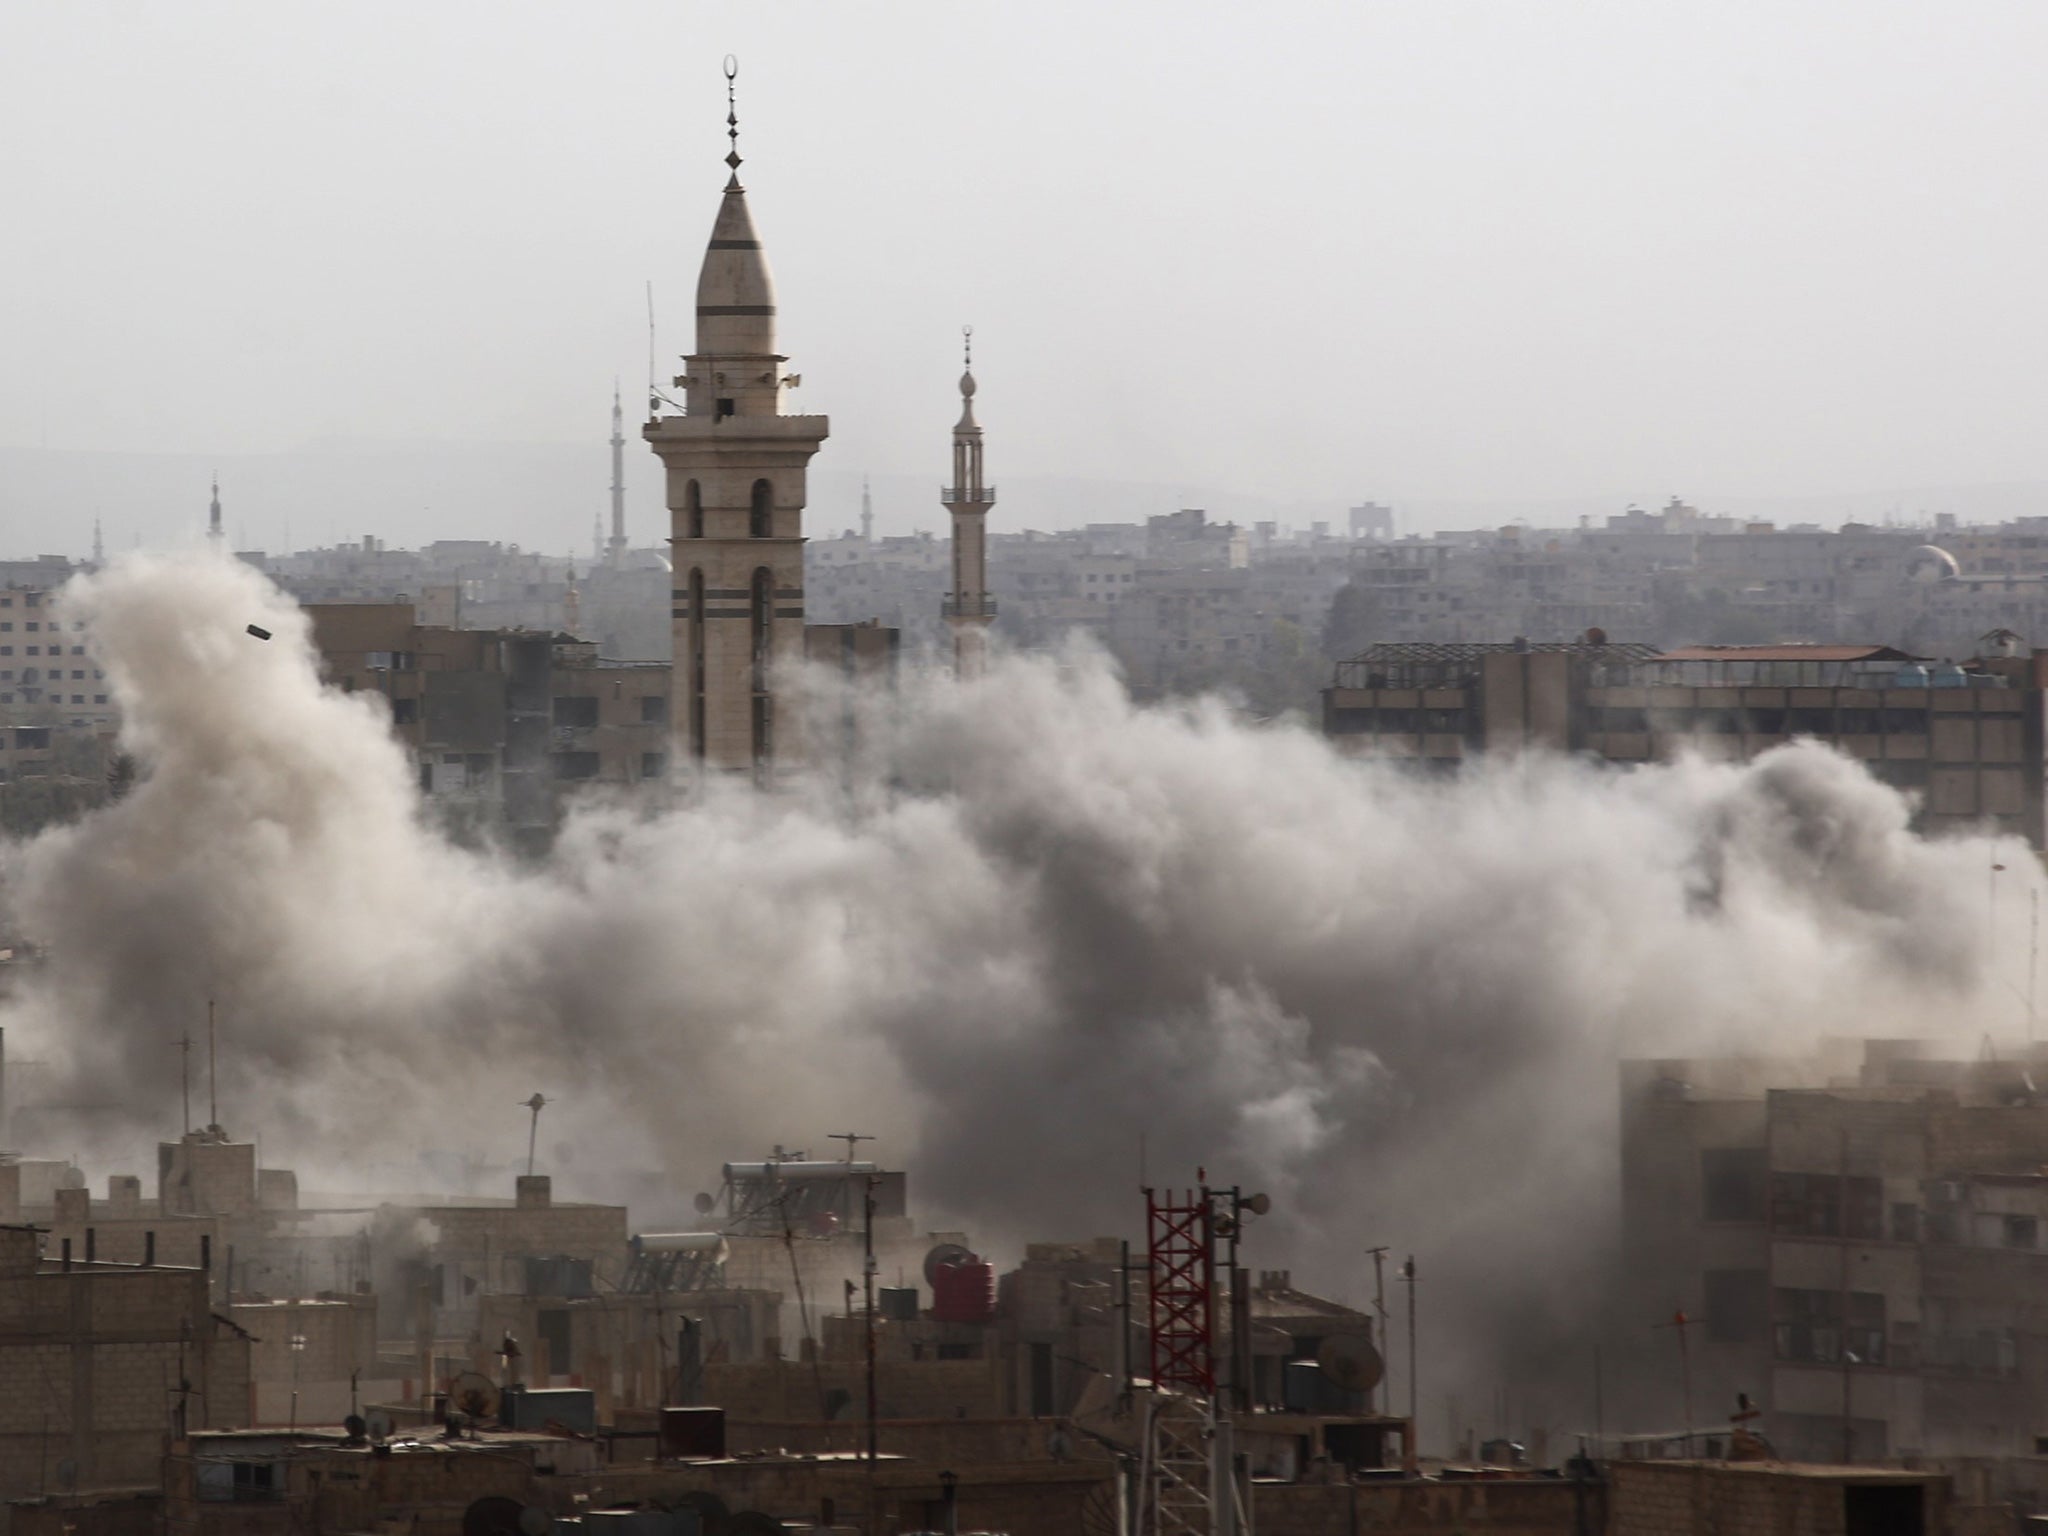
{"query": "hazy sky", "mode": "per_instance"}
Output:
(1421, 252)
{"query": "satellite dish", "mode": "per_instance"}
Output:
(378, 1424)
(493, 1515)
(1348, 1360)
(705, 1204)
(945, 1256)
(355, 1426)
(474, 1394)
(713, 1517)
(751, 1522)
(535, 1521)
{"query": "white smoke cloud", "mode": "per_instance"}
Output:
(1032, 927)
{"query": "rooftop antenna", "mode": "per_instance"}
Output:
(849, 1137)
(185, 1075)
(212, 1071)
(536, 1103)
(732, 116)
(653, 394)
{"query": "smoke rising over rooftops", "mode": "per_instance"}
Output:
(1032, 924)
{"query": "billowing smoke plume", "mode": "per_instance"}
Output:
(1033, 930)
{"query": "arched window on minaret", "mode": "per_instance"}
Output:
(762, 613)
(693, 506)
(761, 520)
(696, 680)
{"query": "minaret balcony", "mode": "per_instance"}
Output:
(956, 607)
(968, 496)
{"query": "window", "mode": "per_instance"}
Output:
(31, 736)
(576, 712)
(1812, 722)
(652, 764)
(761, 511)
(761, 610)
(1738, 1305)
(724, 406)
(1732, 1184)
(2022, 1232)
(693, 509)
(405, 711)
(576, 765)
(31, 626)
(77, 677)
(1808, 1325)
(653, 709)
(35, 651)
(1905, 1222)
(1811, 1205)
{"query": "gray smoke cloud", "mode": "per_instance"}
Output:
(1027, 928)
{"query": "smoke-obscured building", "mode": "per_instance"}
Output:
(1965, 739)
(1859, 1240)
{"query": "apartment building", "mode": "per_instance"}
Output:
(1858, 1240)
(1965, 739)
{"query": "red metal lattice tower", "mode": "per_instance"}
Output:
(1183, 1287)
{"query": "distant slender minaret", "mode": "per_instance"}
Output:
(616, 551)
(99, 547)
(572, 603)
(968, 608)
(213, 534)
(867, 513)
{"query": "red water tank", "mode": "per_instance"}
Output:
(964, 1292)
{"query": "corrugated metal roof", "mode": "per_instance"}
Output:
(1413, 651)
(1784, 653)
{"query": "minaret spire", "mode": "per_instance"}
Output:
(99, 548)
(732, 117)
(969, 610)
(618, 544)
(867, 513)
(213, 533)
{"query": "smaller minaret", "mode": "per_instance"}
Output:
(616, 551)
(213, 534)
(969, 610)
(867, 513)
(99, 546)
(572, 604)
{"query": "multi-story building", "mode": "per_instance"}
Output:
(1855, 1240)
(1966, 740)
(501, 724)
(105, 1362)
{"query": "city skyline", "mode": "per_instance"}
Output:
(1573, 259)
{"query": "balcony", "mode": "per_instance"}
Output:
(969, 607)
(952, 494)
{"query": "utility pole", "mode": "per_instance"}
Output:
(1379, 1306)
(1679, 1323)
(868, 1283)
(1408, 1276)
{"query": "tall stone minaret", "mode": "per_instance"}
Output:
(615, 551)
(736, 490)
(213, 533)
(969, 609)
(867, 513)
